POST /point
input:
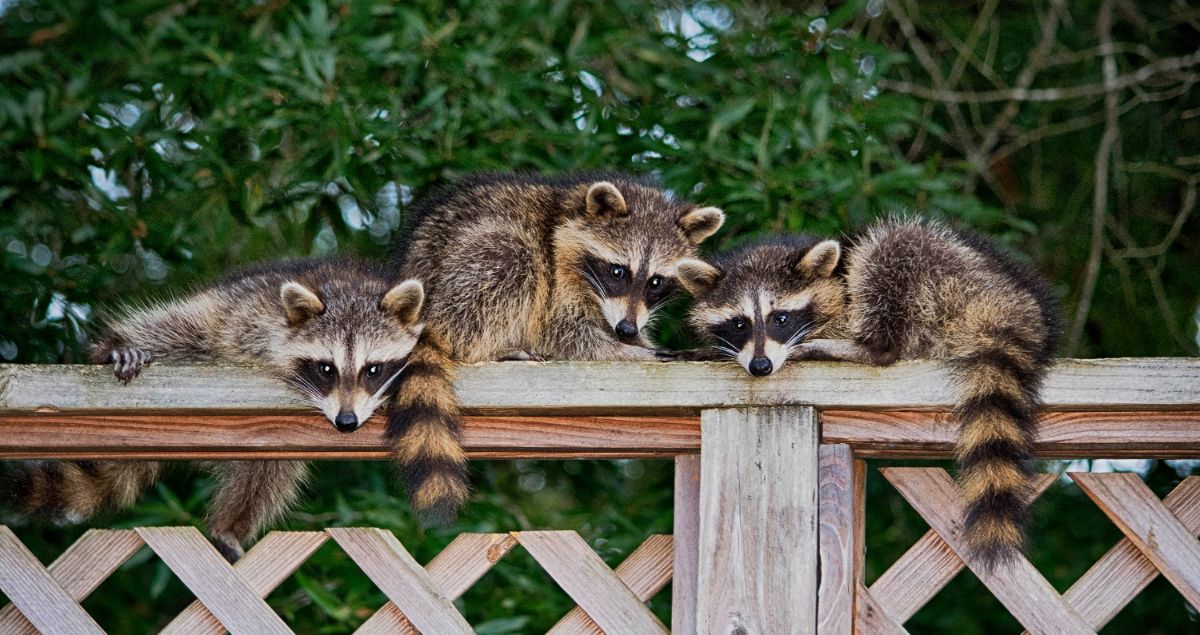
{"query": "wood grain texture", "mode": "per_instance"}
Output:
(459, 566)
(508, 388)
(1116, 434)
(594, 587)
(646, 571)
(40, 598)
(1018, 585)
(839, 500)
(79, 570)
(687, 544)
(876, 434)
(758, 521)
(246, 436)
(1123, 572)
(928, 566)
(1149, 525)
(272, 559)
(406, 583)
(872, 619)
(213, 580)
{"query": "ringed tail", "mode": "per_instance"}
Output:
(997, 412)
(423, 431)
(73, 491)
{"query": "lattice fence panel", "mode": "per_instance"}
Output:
(1160, 538)
(229, 598)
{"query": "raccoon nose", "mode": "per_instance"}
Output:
(626, 329)
(346, 422)
(760, 366)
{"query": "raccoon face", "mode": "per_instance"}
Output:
(624, 248)
(759, 303)
(346, 345)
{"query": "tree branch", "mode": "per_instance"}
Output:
(1062, 93)
(1100, 189)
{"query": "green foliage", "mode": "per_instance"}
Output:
(150, 145)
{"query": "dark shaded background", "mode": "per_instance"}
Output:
(149, 145)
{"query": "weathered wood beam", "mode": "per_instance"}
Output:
(610, 388)
(874, 434)
(758, 521)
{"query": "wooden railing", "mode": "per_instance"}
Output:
(769, 499)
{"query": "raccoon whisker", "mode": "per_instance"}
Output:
(726, 347)
(796, 339)
(593, 281)
(389, 381)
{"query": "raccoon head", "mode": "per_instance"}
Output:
(347, 341)
(759, 302)
(621, 248)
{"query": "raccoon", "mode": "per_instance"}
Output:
(528, 267)
(905, 289)
(334, 330)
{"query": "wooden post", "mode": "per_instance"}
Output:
(687, 544)
(841, 543)
(758, 521)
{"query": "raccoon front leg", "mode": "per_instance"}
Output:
(249, 496)
(520, 355)
(127, 361)
(840, 351)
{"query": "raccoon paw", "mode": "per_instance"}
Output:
(128, 362)
(230, 548)
(689, 355)
(520, 355)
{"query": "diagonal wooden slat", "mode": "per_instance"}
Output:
(1017, 584)
(212, 579)
(1123, 572)
(273, 558)
(646, 571)
(46, 605)
(454, 570)
(927, 567)
(79, 570)
(872, 619)
(593, 586)
(1153, 529)
(402, 580)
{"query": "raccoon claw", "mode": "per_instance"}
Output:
(128, 362)
(230, 549)
(689, 355)
(520, 355)
(665, 355)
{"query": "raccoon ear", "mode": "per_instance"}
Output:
(822, 259)
(700, 223)
(604, 199)
(300, 304)
(697, 276)
(404, 301)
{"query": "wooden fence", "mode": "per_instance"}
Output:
(769, 494)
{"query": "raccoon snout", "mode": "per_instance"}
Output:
(346, 422)
(626, 329)
(760, 366)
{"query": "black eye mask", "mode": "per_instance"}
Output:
(610, 280)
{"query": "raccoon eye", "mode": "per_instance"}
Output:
(617, 271)
(326, 369)
(372, 370)
(739, 324)
(656, 282)
(781, 319)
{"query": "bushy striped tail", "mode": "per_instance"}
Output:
(997, 410)
(73, 491)
(424, 433)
